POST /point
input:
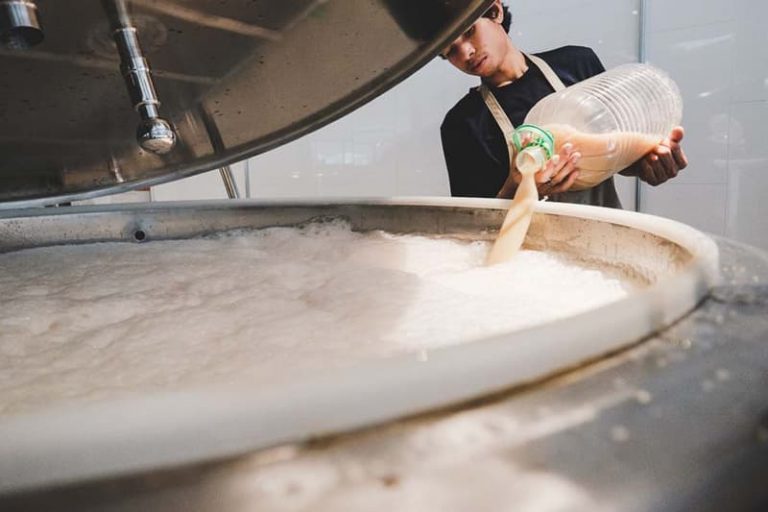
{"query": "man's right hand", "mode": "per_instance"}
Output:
(559, 173)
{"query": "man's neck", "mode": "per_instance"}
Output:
(512, 67)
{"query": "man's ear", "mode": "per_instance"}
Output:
(495, 13)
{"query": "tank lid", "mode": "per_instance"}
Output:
(120, 94)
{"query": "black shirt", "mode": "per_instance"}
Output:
(474, 146)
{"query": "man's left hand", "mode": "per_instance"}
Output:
(664, 161)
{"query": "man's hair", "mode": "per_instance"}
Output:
(507, 18)
(506, 22)
(493, 12)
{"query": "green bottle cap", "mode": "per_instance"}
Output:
(540, 137)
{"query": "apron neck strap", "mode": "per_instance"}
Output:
(501, 117)
(548, 72)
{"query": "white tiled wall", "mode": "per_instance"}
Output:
(718, 54)
(717, 51)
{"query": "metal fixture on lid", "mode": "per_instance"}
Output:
(154, 133)
(19, 24)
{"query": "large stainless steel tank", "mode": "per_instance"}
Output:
(654, 402)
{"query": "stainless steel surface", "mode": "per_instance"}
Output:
(258, 74)
(676, 423)
(515, 362)
(19, 25)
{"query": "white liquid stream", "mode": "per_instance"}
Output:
(105, 320)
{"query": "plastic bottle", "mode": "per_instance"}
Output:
(612, 119)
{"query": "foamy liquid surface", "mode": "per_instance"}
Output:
(99, 321)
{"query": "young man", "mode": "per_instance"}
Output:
(473, 138)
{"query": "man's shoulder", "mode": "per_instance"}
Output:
(579, 62)
(466, 108)
(566, 55)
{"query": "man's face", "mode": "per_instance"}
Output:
(480, 50)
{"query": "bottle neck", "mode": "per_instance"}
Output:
(530, 160)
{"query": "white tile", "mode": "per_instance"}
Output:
(747, 212)
(611, 28)
(705, 145)
(357, 182)
(664, 15)
(748, 133)
(747, 217)
(699, 59)
(750, 69)
(700, 206)
(689, 55)
(208, 185)
(284, 172)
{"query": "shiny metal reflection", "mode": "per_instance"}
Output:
(19, 25)
(229, 182)
(154, 133)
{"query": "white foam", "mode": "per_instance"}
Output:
(103, 320)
